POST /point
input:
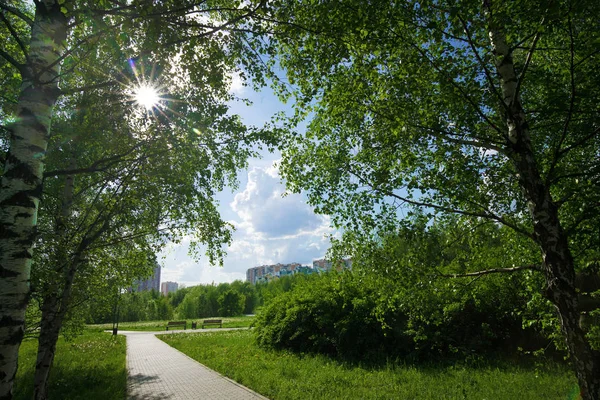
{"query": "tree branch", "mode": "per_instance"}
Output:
(563, 137)
(493, 271)
(20, 67)
(593, 134)
(17, 12)
(464, 95)
(445, 135)
(487, 214)
(218, 28)
(97, 166)
(14, 34)
(67, 53)
(100, 85)
(488, 73)
(527, 61)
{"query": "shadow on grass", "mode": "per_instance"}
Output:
(92, 366)
(74, 383)
(431, 364)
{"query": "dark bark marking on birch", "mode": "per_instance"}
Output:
(28, 241)
(36, 149)
(8, 321)
(20, 170)
(17, 337)
(22, 254)
(23, 215)
(28, 115)
(7, 233)
(20, 199)
(7, 273)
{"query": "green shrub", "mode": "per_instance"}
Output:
(331, 314)
(351, 317)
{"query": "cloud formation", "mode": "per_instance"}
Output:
(270, 229)
(264, 211)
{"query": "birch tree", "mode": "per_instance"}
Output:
(484, 109)
(60, 48)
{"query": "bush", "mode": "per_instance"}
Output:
(350, 316)
(330, 314)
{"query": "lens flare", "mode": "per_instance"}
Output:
(146, 96)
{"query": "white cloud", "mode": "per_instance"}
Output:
(236, 84)
(269, 229)
(264, 211)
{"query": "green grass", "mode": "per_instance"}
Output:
(283, 375)
(90, 367)
(150, 326)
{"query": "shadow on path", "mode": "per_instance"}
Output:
(141, 378)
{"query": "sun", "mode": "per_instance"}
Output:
(146, 96)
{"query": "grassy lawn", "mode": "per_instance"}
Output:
(90, 367)
(228, 322)
(283, 375)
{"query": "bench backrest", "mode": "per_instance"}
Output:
(177, 323)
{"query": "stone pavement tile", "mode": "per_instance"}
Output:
(158, 371)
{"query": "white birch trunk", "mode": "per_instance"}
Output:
(21, 183)
(558, 262)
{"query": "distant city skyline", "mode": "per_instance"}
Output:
(265, 273)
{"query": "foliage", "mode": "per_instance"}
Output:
(134, 306)
(406, 109)
(108, 173)
(231, 303)
(350, 318)
(400, 299)
(329, 314)
(487, 110)
(284, 375)
(201, 301)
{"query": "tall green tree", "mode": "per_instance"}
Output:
(484, 109)
(56, 49)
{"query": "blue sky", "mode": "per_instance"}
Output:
(270, 228)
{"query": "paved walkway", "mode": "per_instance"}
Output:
(158, 371)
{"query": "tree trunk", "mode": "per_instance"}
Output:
(21, 183)
(54, 308)
(558, 262)
(57, 295)
(50, 328)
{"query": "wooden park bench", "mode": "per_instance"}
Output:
(212, 322)
(171, 324)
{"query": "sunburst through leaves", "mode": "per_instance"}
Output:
(146, 91)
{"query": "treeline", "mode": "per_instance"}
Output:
(202, 301)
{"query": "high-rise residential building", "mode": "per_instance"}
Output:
(168, 287)
(265, 273)
(153, 282)
(326, 265)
